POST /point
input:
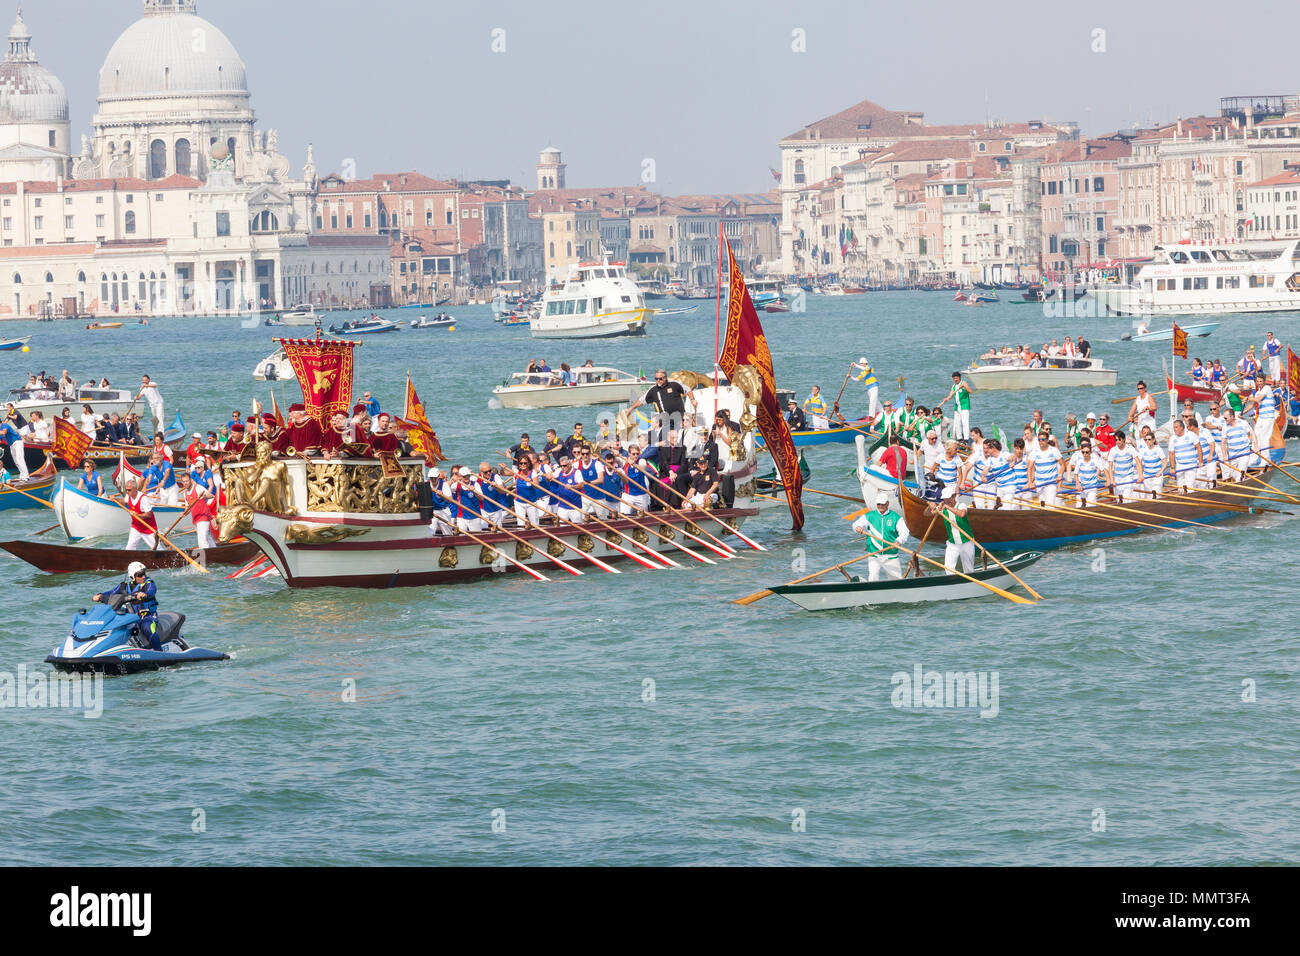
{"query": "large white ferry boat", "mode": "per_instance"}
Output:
(597, 300)
(1207, 278)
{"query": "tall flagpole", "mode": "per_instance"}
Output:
(717, 325)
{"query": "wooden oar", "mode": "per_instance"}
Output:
(990, 554)
(961, 574)
(920, 542)
(519, 564)
(175, 523)
(40, 501)
(36, 534)
(166, 540)
(1038, 506)
(647, 548)
(617, 547)
(564, 564)
(722, 547)
(768, 592)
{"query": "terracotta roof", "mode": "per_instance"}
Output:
(127, 184)
(1288, 177)
(864, 120)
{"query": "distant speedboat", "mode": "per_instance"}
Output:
(369, 326)
(13, 345)
(276, 367)
(298, 315)
(437, 322)
(1167, 335)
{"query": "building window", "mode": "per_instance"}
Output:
(428, 217)
(349, 220)
(182, 165)
(38, 222)
(157, 159)
(449, 219)
(130, 221)
(67, 222)
(38, 202)
(130, 199)
(366, 220)
(8, 222)
(334, 220)
(223, 224)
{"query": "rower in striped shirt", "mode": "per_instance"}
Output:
(1122, 468)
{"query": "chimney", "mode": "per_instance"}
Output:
(1180, 126)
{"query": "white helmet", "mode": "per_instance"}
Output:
(134, 568)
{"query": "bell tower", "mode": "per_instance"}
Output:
(550, 170)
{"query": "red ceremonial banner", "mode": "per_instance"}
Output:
(1180, 342)
(423, 439)
(70, 442)
(1292, 373)
(324, 371)
(745, 344)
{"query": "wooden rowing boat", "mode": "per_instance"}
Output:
(68, 559)
(1033, 528)
(1197, 393)
(838, 595)
(38, 484)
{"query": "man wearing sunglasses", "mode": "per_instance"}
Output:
(1142, 414)
(669, 399)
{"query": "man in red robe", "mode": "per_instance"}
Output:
(301, 433)
(382, 438)
(333, 438)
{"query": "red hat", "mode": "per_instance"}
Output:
(268, 418)
(237, 427)
(358, 409)
(297, 407)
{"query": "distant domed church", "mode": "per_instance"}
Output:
(174, 201)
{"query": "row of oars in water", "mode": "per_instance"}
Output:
(617, 540)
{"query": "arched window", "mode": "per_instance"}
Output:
(798, 171)
(182, 165)
(144, 288)
(103, 287)
(49, 277)
(230, 144)
(568, 249)
(18, 279)
(130, 221)
(157, 159)
(81, 277)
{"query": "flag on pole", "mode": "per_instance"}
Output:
(323, 368)
(423, 439)
(745, 344)
(1180, 342)
(275, 410)
(70, 442)
(1292, 373)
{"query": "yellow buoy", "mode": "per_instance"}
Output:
(451, 328)
(27, 348)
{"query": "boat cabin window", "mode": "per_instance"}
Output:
(627, 298)
(595, 304)
(1228, 282)
(1200, 256)
(1178, 256)
(1258, 282)
(598, 273)
(582, 306)
(1221, 255)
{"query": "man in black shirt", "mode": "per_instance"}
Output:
(553, 446)
(669, 400)
(796, 418)
(1084, 347)
(704, 482)
(574, 444)
(523, 446)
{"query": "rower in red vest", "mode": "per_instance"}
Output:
(381, 439)
(144, 525)
(161, 447)
(198, 499)
(301, 433)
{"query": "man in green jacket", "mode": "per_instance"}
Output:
(885, 529)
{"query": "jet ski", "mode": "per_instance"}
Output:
(112, 640)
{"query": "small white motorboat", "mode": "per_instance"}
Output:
(299, 315)
(1059, 372)
(276, 367)
(1167, 335)
(595, 385)
(437, 322)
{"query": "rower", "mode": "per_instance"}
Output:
(528, 494)
(144, 524)
(1238, 446)
(1273, 354)
(1143, 411)
(1205, 475)
(947, 470)
(611, 486)
(986, 472)
(1044, 470)
(593, 476)
(1122, 468)
(1085, 470)
(90, 480)
(814, 407)
(199, 501)
(566, 488)
(961, 539)
(467, 504)
(866, 375)
(495, 497)
(442, 522)
(1185, 458)
(1013, 478)
(885, 530)
(160, 479)
(636, 482)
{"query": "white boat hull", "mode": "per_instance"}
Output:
(385, 551)
(599, 326)
(933, 586)
(81, 515)
(1010, 377)
(559, 396)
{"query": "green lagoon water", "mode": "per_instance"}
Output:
(526, 704)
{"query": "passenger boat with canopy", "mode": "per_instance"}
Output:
(596, 300)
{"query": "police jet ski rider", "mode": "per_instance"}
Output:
(141, 591)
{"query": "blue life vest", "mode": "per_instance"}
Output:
(494, 494)
(562, 489)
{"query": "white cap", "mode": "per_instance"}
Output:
(882, 498)
(1090, 415)
(465, 472)
(863, 360)
(435, 472)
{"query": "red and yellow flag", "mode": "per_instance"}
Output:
(423, 439)
(324, 370)
(275, 410)
(745, 344)
(1180, 342)
(1292, 373)
(70, 442)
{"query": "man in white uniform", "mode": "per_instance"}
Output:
(149, 392)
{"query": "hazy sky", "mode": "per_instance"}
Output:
(704, 88)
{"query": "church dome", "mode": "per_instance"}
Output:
(171, 51)
(29, 93)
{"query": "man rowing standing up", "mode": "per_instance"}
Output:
(1273, 354)
(1142, 414)
(1267, 405)
(198, 499)
(960, 395)
(865, 374)
(961, 540)
(1122, 468)
(149, 392)
(1044, 472)
(814, 407)
(886, 530)
(144, 524)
